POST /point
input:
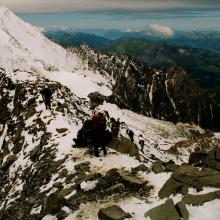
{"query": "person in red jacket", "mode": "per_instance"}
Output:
(98, 127)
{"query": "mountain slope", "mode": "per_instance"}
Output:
(168, 94)
(21, 42)
(37, 152)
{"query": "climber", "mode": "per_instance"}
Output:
(131, 135)
(115, 125)
(98, 127)
(47, 95)
(141, 142)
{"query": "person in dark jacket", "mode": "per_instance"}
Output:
(115, 126)
(47, 96)
(131, 135)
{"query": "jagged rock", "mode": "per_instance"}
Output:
(125, 146)
(58, 185)
(197, 157)
(31, 111)
(113, 213)
(157, 167)
(119, 187)
(10, 159)
(170, 187)
(141, 167)
(61, 215)
(186, 176)
(31, 200)
(182, 210)
(96, 99)
(63, 173)
(166, 211)
(126, 178)
(35, 152)
(199, 200)
(213, 159)
(66, 191)
(61, 130)
(83, 166)
(170, 168)
(53, 204)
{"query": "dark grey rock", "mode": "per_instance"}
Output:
(61, 215)
(166, 211)
(184, 213)
(53, 204)
(113, 213)
(61, 130)
(157, 167)
(10, 159)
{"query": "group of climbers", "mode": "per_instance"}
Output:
(93, 133)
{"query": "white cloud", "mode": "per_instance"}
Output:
(161, 30)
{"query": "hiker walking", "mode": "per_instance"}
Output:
(130, 135)
(115, 126)
(47, 96)
(141, 142)
(99, 126)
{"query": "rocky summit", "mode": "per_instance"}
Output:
(45, 174)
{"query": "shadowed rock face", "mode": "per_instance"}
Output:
(169, 94)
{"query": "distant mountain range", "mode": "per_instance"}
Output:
(196, 52)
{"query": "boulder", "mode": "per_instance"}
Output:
(53, 204)
(96, 99)
(197, 157)
(141, 167)
(61, 215)
(125, 146)
(157, 167)
(128, 179)
(113, 213)
(199, 200)
(166, 211)
(169, 188)
(170, 168)
(213, 159)
(187, 176)
(182, 210)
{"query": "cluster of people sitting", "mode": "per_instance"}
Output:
(93, 133)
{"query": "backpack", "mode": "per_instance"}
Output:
(98, 122)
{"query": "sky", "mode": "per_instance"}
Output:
(23, 6)
(157, 17)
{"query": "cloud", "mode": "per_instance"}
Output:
(76, 5)
(161, 30)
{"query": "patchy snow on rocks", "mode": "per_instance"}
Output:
(43, 174)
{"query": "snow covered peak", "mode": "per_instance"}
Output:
(25, 47)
